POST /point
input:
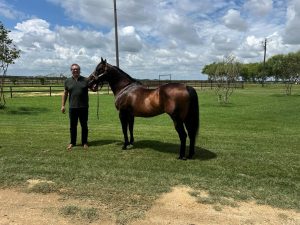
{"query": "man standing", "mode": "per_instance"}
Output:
(76, 87)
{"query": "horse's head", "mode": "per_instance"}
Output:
(99, 75)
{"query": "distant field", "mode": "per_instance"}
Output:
(247, 150)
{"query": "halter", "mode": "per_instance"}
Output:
(95, 78)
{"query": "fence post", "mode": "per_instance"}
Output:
(10, 91)
(50, 90)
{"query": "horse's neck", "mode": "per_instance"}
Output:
(117, 87)
(121, 80)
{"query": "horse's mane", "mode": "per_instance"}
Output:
(127, 75)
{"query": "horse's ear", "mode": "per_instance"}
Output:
(101, 59)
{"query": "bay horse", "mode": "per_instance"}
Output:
(132, 99)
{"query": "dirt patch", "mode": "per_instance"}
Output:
(19, 208)
(176, 207)
(180, 208)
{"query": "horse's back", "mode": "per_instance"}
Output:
(173, 89)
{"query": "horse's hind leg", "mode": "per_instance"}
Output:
(192, 120)
(192, 133)
(124, 122)
(182, 136)
(192, 146)
(131, 123)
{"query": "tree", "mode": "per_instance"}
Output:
(292, 75)
(8, 54)
(262, 74)
(210, 70)
(286, 68)
(224, 74)
(249, 71)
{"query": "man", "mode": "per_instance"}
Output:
(76, 87)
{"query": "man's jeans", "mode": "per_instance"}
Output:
(82, 115)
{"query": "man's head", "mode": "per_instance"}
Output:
(75, 69)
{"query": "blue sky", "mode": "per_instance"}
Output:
(156, 37)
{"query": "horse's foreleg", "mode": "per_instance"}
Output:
(182, 136)
(124, 122)
(131, 124)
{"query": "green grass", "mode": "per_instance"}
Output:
(86, 214)
(247, 150)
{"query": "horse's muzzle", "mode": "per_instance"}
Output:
(94, 81)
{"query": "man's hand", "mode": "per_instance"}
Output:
(63, 110)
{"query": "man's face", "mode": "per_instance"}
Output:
(75, 71)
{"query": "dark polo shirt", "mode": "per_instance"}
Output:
(78, 92)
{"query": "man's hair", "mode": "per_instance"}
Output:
(74, 64)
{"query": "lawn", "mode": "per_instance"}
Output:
(246, 150)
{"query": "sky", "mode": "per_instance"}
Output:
(157, 37)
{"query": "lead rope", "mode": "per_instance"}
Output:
(98, 104)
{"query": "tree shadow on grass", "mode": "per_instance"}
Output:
(200, 153)
(23, 110)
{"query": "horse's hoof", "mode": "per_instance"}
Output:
(124, 148)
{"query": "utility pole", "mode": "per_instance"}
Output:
(116, 33)
(264, 72)
(264, 43)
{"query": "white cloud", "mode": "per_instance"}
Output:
(73, 36)
(179, 29)
(234, 21)
(96, 12)
(292, 34)
(8, 11)
(259, 8)
(38, 26)
(130, 41)
(33, 34)
(54, 50)
(223, 43)
(250, 49)
(155, 37)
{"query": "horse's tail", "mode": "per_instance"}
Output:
(192, 119)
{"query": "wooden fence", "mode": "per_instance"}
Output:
(34, 89)
(52, 89)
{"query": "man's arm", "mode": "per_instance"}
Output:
(64, 98)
